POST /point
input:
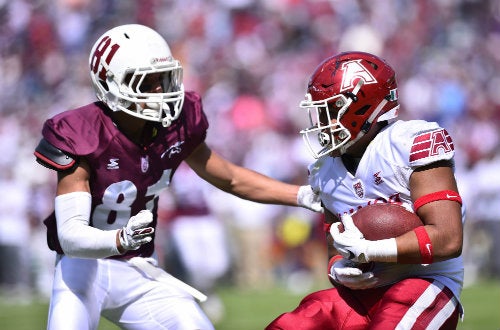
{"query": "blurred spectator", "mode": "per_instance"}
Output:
(194, 238)
(14, 237)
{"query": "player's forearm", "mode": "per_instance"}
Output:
(240, 181)
(76, 237)
(433, 242)
(83, 241)
(256, 187)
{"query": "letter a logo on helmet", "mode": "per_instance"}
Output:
(352, 70)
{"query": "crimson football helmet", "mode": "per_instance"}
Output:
(346, 94)
(120, 62)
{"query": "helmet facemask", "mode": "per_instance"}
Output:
(134, 97)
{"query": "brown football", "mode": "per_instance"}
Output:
(381, 221)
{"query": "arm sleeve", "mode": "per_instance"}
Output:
(76, 237)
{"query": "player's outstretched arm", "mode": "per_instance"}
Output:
(246, 183)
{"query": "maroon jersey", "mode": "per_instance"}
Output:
(125, 177)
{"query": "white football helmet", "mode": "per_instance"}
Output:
(120, 61)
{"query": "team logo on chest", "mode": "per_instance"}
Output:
(174, 149)
(358, 188)
(144, 164)
(377, 179)
(113, 164)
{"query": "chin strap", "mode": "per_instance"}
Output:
(389, 115)
(365, 128)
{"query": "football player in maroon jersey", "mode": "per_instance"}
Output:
(366, 156)
(113, 158)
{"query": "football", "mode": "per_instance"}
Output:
(381, 221)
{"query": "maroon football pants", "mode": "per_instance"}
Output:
(410, 304)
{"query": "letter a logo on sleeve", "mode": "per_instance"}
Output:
(434, 143)
(355, 70)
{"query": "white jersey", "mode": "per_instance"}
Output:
(383, 176)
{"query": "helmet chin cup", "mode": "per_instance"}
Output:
(161, 111)
(152, 109)
(153, 106)
(324, 139)
(150, 112)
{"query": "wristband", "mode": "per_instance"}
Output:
(424, 244)
(436, 196)
(384, 250)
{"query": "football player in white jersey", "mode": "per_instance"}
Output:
(366, 156)
(113, 158)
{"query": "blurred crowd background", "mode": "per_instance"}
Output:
(250, 60)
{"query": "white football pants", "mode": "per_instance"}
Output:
(85, 289)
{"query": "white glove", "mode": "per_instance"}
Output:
(347, 274)
(309, 199)
(352, 245)
(137, 232)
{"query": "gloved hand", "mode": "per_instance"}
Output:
(352, 245)
(309, 199)
(347, 274)
(137, 232)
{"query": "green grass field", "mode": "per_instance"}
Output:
(254, 310)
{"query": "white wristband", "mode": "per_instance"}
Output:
(76, 237)
(384, 250)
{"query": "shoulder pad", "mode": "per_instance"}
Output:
(54, 158)
(431, 146)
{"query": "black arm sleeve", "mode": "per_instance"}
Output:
(53, 158)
